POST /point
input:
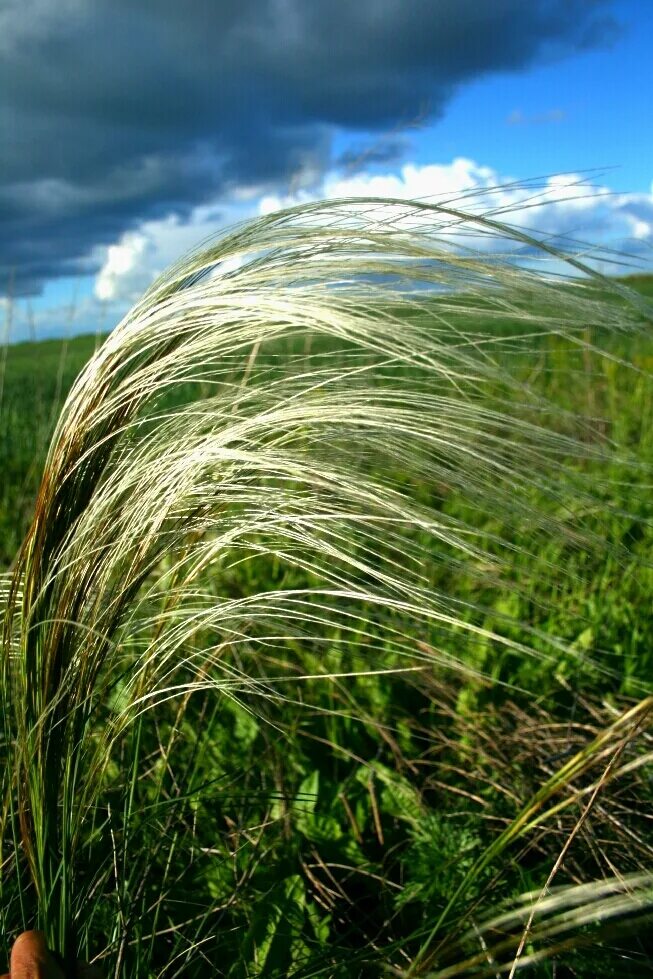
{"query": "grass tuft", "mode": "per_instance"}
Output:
(330, 445)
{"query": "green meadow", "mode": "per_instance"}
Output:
(325, 826)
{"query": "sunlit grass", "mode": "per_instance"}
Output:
(292, 470)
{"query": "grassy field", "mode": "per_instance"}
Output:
(337, 819)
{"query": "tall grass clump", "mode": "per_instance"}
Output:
(256, 469)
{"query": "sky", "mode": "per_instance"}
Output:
(131, 130)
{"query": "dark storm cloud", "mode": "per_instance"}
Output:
(115, 111)
(383, 151)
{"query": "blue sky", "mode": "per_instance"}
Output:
(126, 141)
(592, 110)
(604, 98)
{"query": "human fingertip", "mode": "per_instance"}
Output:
(31, 959)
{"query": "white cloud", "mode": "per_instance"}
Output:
(412, 182)
(519, 118)
(562, 207)
(122, 261)
(567, 209)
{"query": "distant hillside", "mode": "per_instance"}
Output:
(642, 282)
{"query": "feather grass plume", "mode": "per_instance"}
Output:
(281, 399)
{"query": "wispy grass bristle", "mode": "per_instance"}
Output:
(280, 399)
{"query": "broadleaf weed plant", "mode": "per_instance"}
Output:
(255, 469)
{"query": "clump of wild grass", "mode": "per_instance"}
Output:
(302, 396)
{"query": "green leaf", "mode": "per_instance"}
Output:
(277, 922)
